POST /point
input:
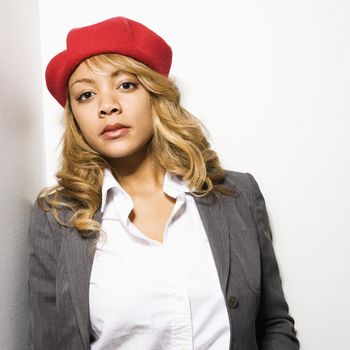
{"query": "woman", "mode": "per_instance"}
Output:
(146, 242)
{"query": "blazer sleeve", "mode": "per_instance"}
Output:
(274, 326)
(50, 328)
(42, 279)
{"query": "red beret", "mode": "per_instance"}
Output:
(115, 35)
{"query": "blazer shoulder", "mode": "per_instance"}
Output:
(242, 181)
(43, 223)
(41, 215)
(63, 207)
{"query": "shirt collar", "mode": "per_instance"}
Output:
(109, 182)
(173, 185)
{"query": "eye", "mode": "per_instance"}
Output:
(128, 85)
(85, 96)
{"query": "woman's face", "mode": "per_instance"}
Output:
(112, 109)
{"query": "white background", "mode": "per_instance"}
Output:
(271, 81)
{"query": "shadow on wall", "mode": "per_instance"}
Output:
(21, 158)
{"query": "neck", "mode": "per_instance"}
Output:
(138, 172)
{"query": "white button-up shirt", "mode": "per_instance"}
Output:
(149, 295)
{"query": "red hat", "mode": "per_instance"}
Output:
(115, 35)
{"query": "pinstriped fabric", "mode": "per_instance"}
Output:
(53, 325)
(240, 239)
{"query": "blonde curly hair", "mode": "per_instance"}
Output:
(178, 145)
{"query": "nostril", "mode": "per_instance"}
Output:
(107, 111)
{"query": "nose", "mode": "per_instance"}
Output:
(107, 110)
(109, 106)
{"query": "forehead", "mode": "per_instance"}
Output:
(91, 70)
(87, 68)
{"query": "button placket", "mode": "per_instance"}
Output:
(181, 320)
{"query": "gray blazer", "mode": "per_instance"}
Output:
(240, 239)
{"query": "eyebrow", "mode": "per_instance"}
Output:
(87, 80)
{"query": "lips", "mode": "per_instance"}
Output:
(113, 127)
(113, 131)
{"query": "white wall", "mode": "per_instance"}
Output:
(271, 81)
(22, 171)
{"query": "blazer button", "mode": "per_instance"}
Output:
(232, 302)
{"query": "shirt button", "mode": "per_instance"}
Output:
(232, 302)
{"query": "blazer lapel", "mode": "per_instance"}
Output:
(215, 223)
(79, 259)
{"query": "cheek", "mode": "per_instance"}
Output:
(148, 120)
(147, 125)
(81, 125)
(146, 116)
(86, 127)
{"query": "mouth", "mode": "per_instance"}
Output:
(114, 130)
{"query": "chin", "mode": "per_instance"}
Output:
(123, 149)
(122, 153)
